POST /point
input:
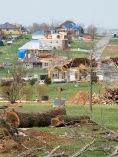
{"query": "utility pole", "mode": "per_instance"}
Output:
(91, 83)
(59, 96)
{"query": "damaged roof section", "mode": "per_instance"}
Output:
(114, 60)
(76, 62)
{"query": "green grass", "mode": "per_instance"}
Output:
(114, 41)
(9, 53)
(82, 44)
(71, 54)
(111, 51)
(69, 89)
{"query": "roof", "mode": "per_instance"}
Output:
(66, 22)
(76, 62)
(39, 33)
(114, 60)
(36, 45)
(70, 24)
(8, 26)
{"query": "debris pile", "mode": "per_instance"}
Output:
(80, 98)
(100, 99)
(111, 94)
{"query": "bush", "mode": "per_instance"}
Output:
(1, 43)
(47, 81)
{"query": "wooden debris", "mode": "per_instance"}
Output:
(115, 152)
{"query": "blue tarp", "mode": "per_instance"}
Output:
(21, 53)
(72, 25)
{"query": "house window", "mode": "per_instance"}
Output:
(94, 73)
(58, 36)
(55, 75)
(46, 64)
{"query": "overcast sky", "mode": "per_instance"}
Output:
(102, 13)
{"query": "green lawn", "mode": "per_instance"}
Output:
(112, 50)
(9, 53)
(82, 44)
(69, 89)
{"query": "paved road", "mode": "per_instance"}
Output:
(100, 46)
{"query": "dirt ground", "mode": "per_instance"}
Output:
(27, 140)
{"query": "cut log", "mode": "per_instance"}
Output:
(62, 120)
(25, 120)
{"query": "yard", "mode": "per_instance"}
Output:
(112, 49)
(87, 45)
(8, 53)
(70, 139)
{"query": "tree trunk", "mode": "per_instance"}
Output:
(25, 120)
(62, 120)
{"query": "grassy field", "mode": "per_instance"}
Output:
(114, 41)
(104, 115)
(112, 49)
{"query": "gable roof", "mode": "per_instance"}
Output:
(8, 26)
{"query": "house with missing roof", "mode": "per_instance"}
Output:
(72, 70)
(12, 29)
(108, 69)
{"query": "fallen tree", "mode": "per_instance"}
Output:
(25, 120)
(62, 120)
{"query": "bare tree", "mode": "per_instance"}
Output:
(39, 27)
(91, 29)
(11, 91)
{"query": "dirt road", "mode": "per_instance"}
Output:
(100, 46)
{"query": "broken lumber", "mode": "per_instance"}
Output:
(62, 120)
(24, 120)
(83, 150)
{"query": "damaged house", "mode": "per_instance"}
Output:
(72, 29)
(73, 70)
(108, 68)
(35, 54)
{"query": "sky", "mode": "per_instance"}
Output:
(101, 13)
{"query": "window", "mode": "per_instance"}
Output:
(58, 36)
(46, 64)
